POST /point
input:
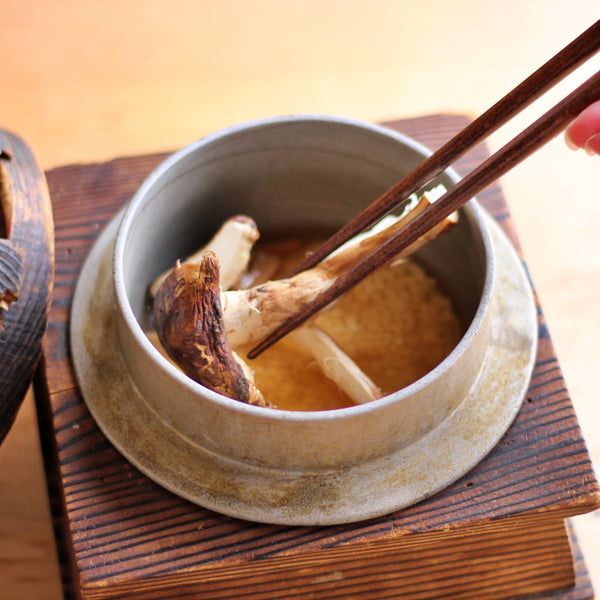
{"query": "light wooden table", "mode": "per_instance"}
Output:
(90, 80)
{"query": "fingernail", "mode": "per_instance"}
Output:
(570, 144)
(592, 145)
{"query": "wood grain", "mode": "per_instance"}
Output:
(117, 527)
(500, 562)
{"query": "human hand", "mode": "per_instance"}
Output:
(584, 131)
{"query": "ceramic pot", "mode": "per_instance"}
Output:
(312, 467)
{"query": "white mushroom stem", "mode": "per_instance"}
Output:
(336, 364)
(232, 243)
(250, 315)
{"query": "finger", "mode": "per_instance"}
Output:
(586, 125)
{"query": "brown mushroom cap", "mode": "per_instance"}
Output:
(189, 323)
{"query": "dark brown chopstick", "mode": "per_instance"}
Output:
(522, 146)
(548, 75)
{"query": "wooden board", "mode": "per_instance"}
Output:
(121, 535)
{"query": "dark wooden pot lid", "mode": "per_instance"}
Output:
(26, 271)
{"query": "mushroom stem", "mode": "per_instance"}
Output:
(336, 364)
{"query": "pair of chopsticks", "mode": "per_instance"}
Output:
(523, 145)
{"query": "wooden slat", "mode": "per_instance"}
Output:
(492, 564)
(120, 531)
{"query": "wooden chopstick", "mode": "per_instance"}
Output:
(548, 75)
(514, 152)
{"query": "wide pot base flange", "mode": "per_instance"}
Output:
(295, 497)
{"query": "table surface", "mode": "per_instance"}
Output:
(89, 81)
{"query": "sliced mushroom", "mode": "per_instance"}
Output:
(336, 364)
(187, 311)
(232, 244)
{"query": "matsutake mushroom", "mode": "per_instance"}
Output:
(187, 309)
(198, 323)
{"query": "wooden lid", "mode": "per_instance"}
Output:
(26, 271)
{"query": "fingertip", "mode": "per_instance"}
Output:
(585, 126)
(592, 145)
(569, 142)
